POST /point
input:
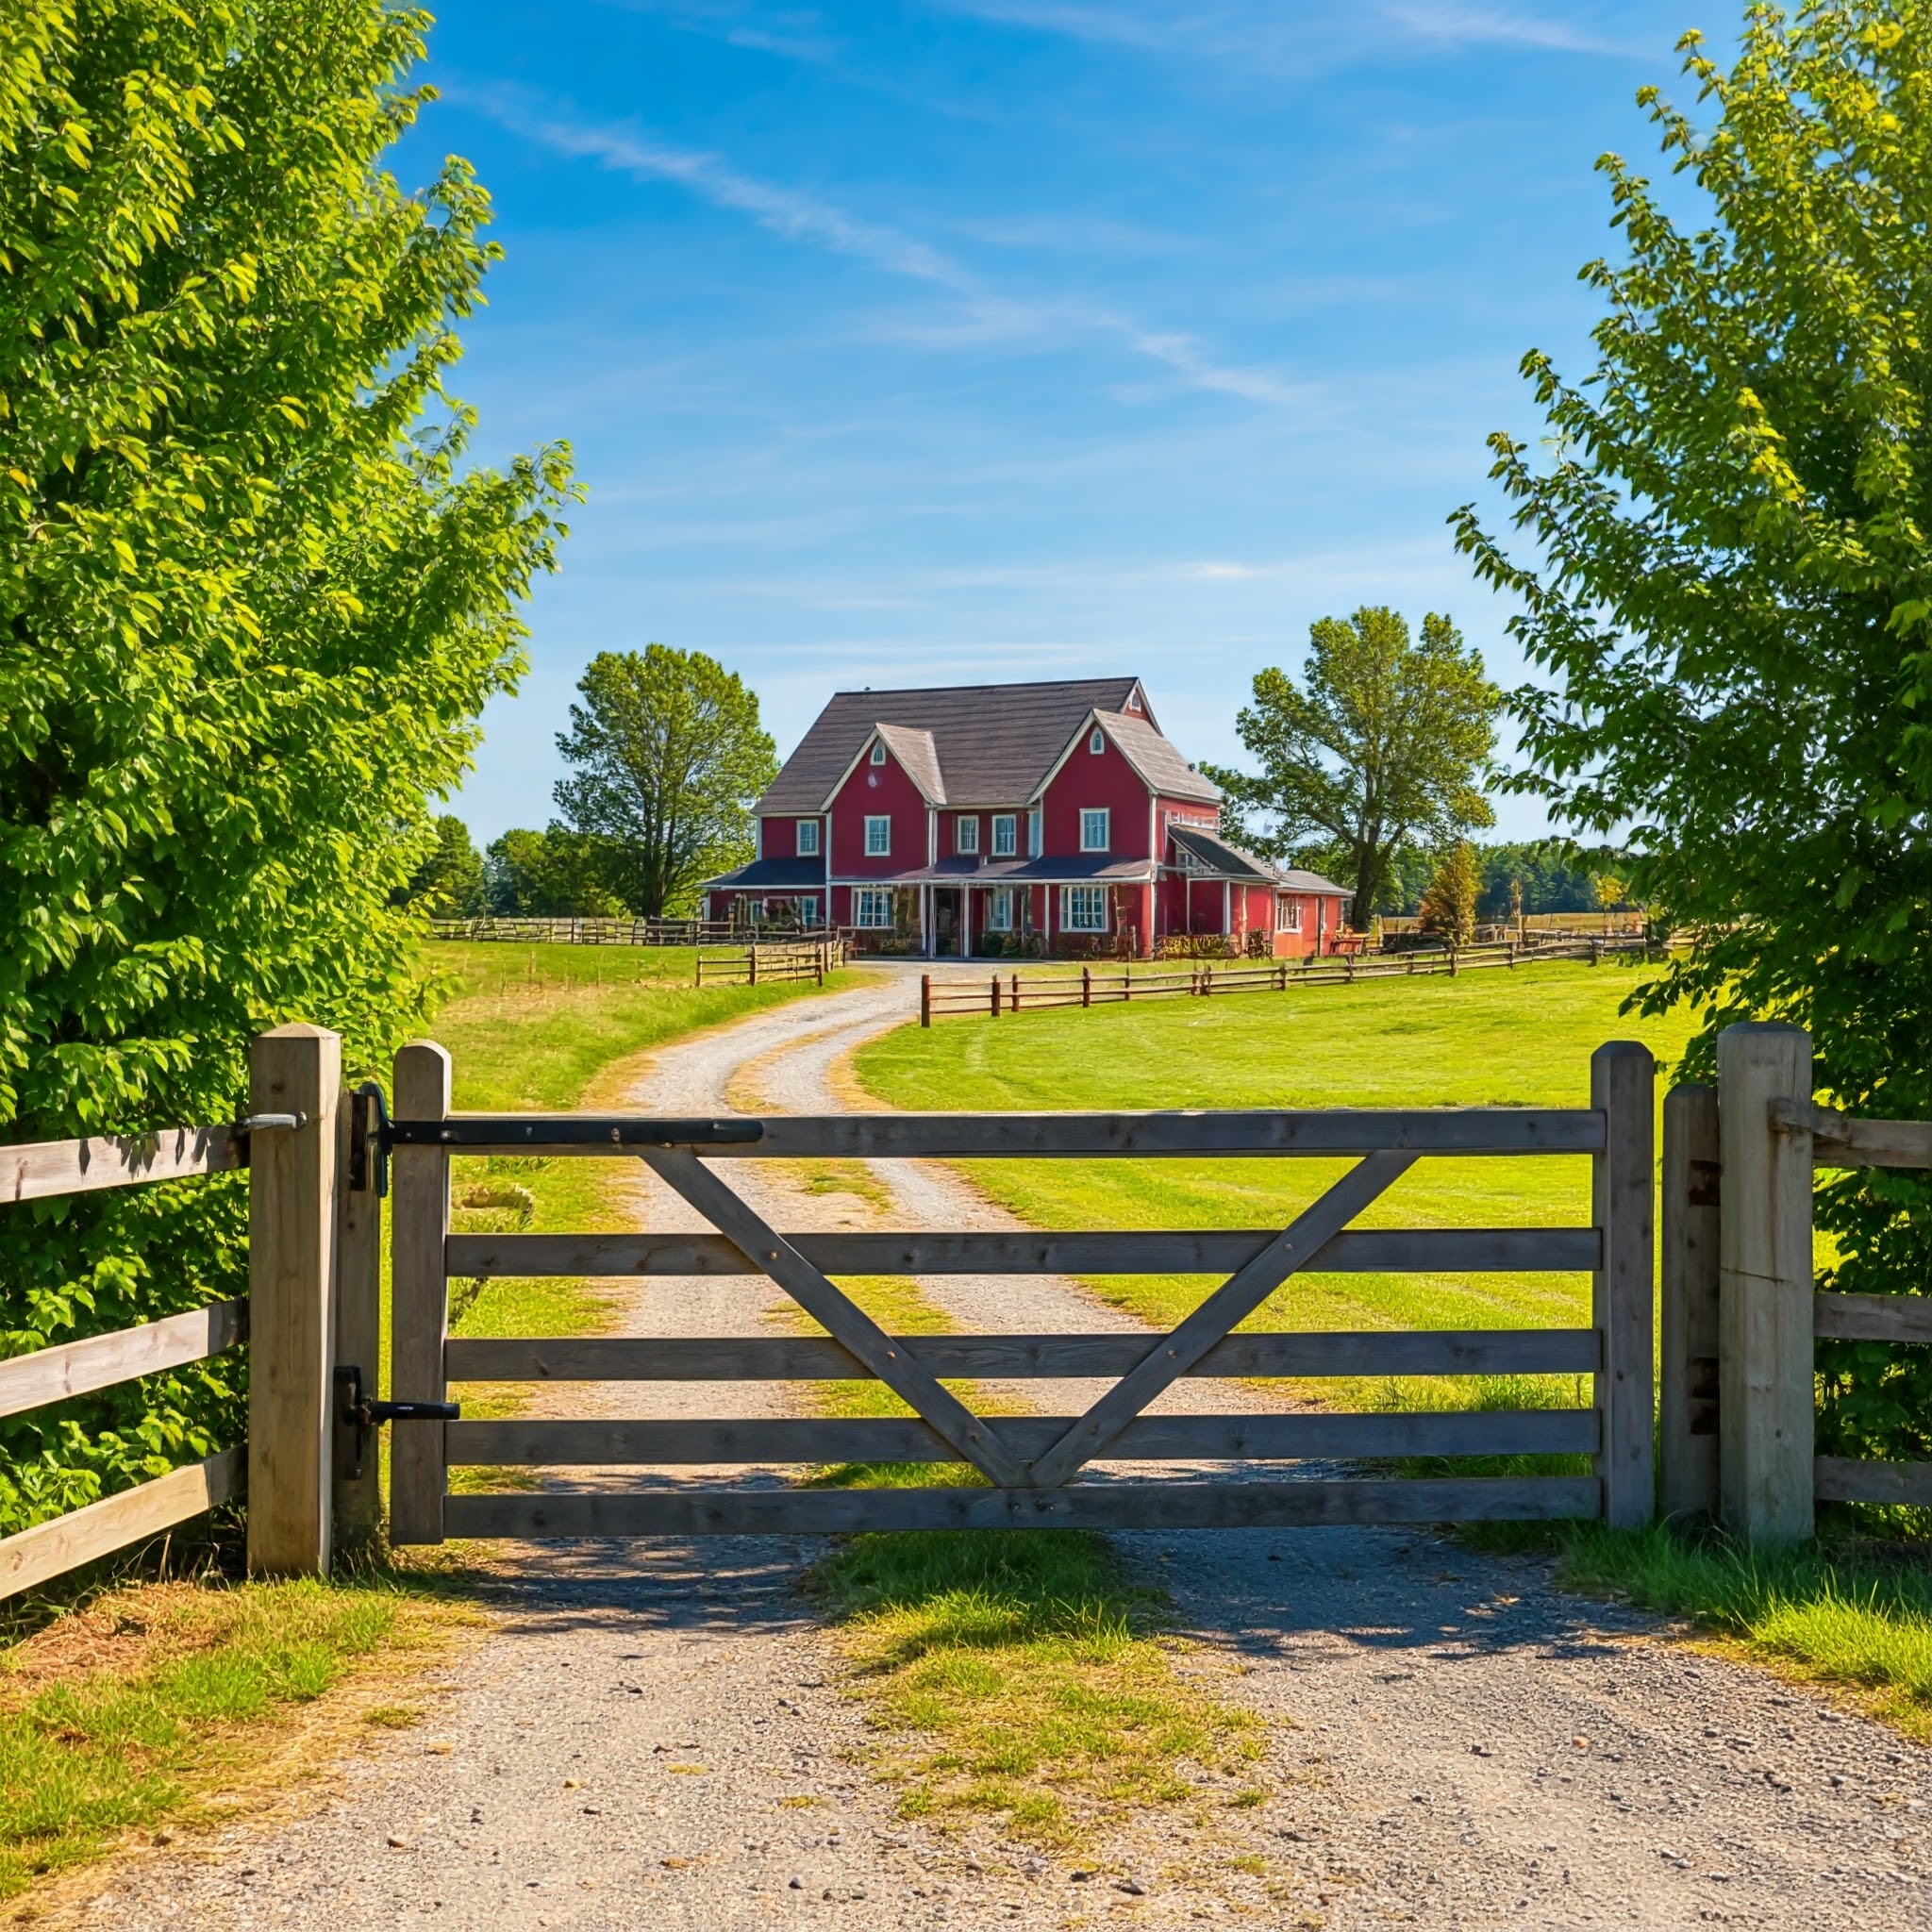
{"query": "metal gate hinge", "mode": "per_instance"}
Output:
(369, 1146)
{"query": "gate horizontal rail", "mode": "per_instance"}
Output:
(1332, 1132)
(1172, 1251)
(1085, 1506)
(1021, 1357)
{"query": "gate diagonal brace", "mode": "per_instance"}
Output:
(772, 1254)
(1233, 1301)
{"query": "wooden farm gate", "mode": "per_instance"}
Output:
(1032, 1465)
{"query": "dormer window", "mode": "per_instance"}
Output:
(878, 751)
(1097, 743)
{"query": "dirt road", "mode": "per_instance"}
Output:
(657, 1735)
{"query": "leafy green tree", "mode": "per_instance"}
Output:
(553, 874)
(1727, 577)
(1448, 907)
(253, 597)
(1388, 744)
(670, 757)
(448, 883)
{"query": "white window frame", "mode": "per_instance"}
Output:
(872, 907)
(1005, 835)
(1096, 744)
(1089, 900)
(881, 824)
(1287, 914)
(1036, 831)
(1088, 816)
(809, 910)
(966, 832)
(878, 751)
(999, 910)
(807, 839)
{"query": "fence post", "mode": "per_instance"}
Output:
(1623, 1086)
(358, 1495)
(419, 1194)
(1016, 992)
(925, 999)
(1765, 1394)
(291, 1226)
(1086, 986)
(995, 995)
(753, 981)
(1688, 1373)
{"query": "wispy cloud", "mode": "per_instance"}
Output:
(1477, 26)
(981, 312)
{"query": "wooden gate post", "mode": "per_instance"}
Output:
(291, 1225)
(1687, 1374)
(419, 1221)
(1623, 1086)
(357, 1320)
(1765, 1400)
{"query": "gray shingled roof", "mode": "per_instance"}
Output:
(916, 751)
(1156, 760)
(1230, 861)
(995, 741)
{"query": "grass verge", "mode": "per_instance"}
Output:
(1857, 1615)
(1024, 1679)
(169, 1705)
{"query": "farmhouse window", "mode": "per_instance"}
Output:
(1287, 914)
(1097, 743)
(879, 838)
(878, 751)
(1083, 909)
(875, 906)
(1005, 835)
(1094, 830)
(808, 838)
(809, 910)
(999, 908)
(967, 833)
(1033, 838)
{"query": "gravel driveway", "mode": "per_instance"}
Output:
(656, 1735)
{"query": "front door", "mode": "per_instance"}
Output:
(947, 922)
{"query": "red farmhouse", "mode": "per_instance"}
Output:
(956, 821)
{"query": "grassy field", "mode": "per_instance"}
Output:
(1500, 1039)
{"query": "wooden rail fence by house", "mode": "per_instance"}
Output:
(775, 962)
(1095, 986)
(589, 931)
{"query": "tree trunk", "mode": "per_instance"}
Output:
(1368, 882)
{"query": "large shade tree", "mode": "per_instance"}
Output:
(1384, 745)
(253, 597)
(1726, 574)
(670, 759)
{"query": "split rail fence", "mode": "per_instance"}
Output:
(1091, 986)
(779, 963)
(615, 932)
(1740, 1319)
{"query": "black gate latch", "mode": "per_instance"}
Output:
(367, 1413)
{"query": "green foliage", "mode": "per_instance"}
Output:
(252, 599)
(1388, 744)
(670, 757)
(1729, 579)
(1448, 907)
(553, 874)
(448, 883)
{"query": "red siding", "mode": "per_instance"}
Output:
(778, 837)
(870, 789)
(949, 833)
(1087, 782)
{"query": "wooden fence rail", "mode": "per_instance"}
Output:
(1014, 992)
(775, 962)
(1741, 1314)
(617, 932)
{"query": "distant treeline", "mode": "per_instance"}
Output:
(553, 874)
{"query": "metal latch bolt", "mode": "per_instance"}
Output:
(367, 1413)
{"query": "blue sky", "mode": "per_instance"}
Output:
(986, 339)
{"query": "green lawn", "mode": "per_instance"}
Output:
(1497, 1038)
